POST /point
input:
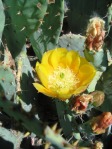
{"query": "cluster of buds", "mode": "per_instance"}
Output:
(100, 123)
(95, 34)
(80, 103)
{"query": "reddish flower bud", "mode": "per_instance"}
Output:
(100, 123)
(81, 103)
(95, 34)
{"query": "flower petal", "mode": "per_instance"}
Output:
(86, 74)
(43, 73)
(63, 96)
(56, 56)
(45, 58)
(79, 90)
(43, 90)
(73, 60)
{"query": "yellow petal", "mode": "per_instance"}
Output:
(73, 60)
(63, 93)
(63, 97)
(79, 90)
(43, 73)
(83, 61)
(43, 90)
(86, 74)
(45, 58)
(56, 56)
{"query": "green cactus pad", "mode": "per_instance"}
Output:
(26, 15)
(98, 59)
(47, 37)
(105, 84)
(72, 42)
(7, 83)
(27, 92)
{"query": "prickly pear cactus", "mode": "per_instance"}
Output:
(72, 71)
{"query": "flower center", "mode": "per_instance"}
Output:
(62, 78)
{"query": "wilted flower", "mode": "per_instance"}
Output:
(81, 103)
(100, 123)
(95, 34)
(63, 73)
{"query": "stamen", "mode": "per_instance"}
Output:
(62, 78)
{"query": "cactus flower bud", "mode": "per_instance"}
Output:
(81, 103)
(95, 34)
(98, 98)
(98, 145)
(101, 123)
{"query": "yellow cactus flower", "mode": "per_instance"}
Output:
(63, 73)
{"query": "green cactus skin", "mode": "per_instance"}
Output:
(26, 16)
(47, 37)
(98, 59)
(2, 24)
(2, 20)
(7, 83)
(19, 26)
(72, 42)
(105, 84)
(15, 40)
(12, 137)
(26, 93)
(64, 118)
(92, 85)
